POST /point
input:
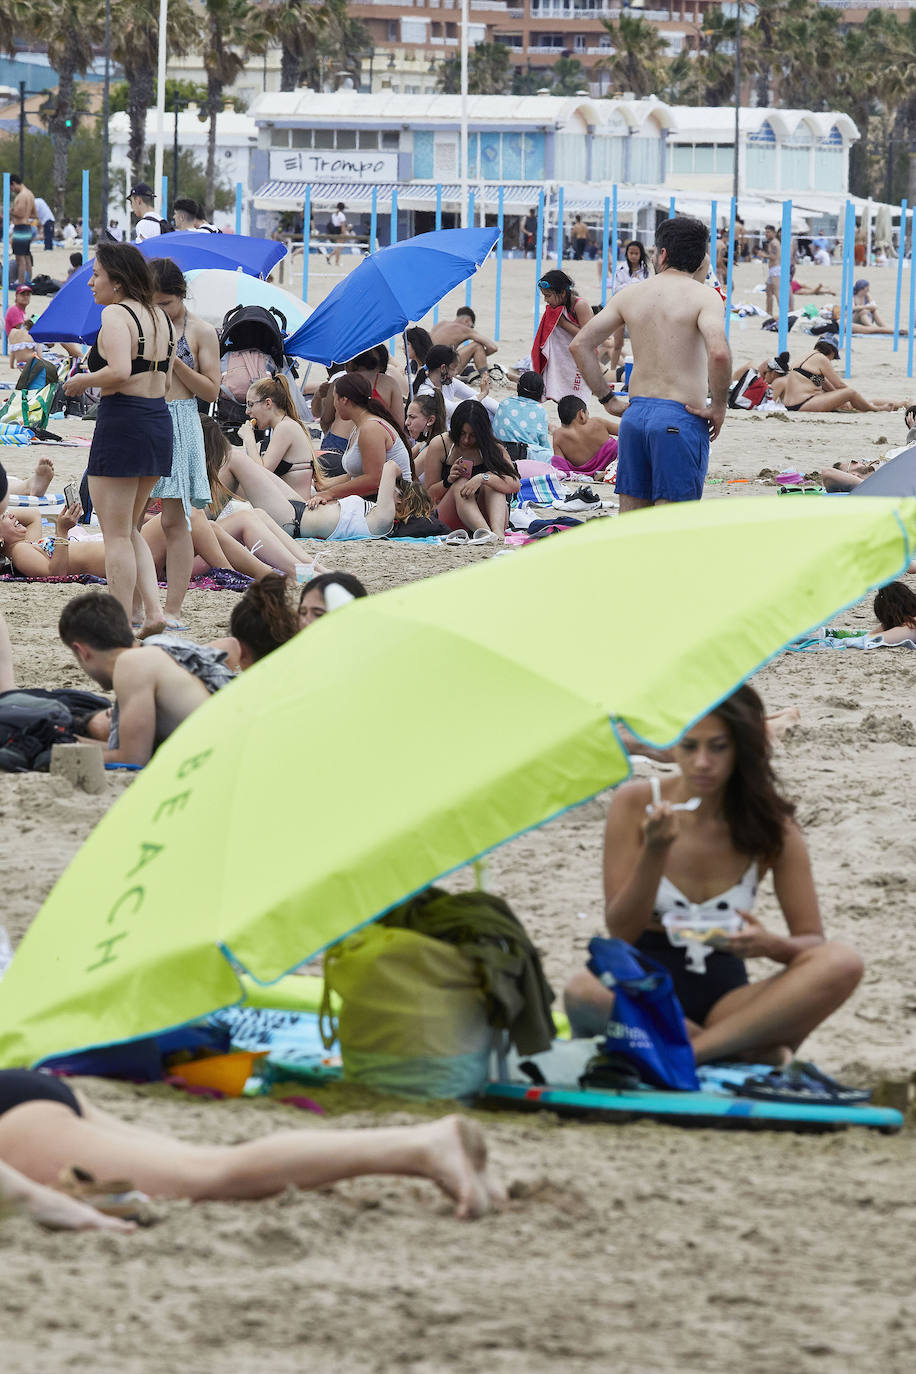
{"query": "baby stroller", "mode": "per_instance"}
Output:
(250, 347)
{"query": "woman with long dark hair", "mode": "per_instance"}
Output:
(895, 612)
(132, 444)
(470, 476)
(565, 314)
(377, 438)
(661, 859)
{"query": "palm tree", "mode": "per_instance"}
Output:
(340, 46)
(135, 43)
(297, 25)
(234, 29)
(71, 29)
(17, 18)
(569, 76)
(636, 64)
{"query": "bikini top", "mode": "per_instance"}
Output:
(740, 897)
(815, 377)
(139, 364)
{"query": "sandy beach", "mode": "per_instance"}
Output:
(638, 1248)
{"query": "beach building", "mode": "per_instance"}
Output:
(360, 148)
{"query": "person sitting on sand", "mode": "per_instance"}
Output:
(583, 445)
(442, 376)
(895, 612)
(461, 333)
(377, 436)
(270, 405)
(814, 384)
(154, 691)
(470, 476)
(711, 860)
(522, 419)
(751, 386)
(327, 593)
(425, 419)
(419, 342)
(371, 366)
(865, 312)
(46, 1129)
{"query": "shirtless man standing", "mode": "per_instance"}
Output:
(677, 327)
(461, 334)
(153, 693)
(771, 254)
(22, 212)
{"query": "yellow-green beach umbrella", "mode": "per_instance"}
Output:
(402, 736)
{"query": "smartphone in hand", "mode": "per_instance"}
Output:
(71, 494)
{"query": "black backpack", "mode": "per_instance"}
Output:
(164, 226)
(31, 723)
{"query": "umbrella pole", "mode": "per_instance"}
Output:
(407, 361)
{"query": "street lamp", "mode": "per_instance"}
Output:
(738, 9)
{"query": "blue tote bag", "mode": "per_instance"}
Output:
(647, 1024)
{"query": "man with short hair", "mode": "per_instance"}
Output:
(142, 203)
(529, 233)
(583, 444)
(189, 217)
(157, 684)
(22, 212)
(46, 219)
(681, 357)
(579, 234)
(460, 333)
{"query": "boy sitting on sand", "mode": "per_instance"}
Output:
(583, 444)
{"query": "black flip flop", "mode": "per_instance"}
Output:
(801, 1082)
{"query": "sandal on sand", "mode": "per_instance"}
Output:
(173, 627)
(801, 1081)
(455, 537)
(484, 537)
(115, 1197)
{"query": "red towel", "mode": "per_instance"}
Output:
(546, 327)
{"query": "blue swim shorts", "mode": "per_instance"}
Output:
(663, 451)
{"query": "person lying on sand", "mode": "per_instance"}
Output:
(583, 444)
(895, 611)
(33, 554)
(845, 476)
(262, 620)
(327, 592)
(37, 484)
(53, 1210)
(659, 861)
(46, 1128)
(153, 691)
(815, 385)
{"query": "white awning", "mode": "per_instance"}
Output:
(412, 195)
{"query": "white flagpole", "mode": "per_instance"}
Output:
(464, 114)
(160, 107)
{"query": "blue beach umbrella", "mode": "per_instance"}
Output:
(388, 290)
(74, 317)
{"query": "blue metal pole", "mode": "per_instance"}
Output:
(165, 196)
(671, 210)
(730, 266)
(538, 252)
(851, 237)
(605, 231)
(439, 226)
(238, 207)
(845, 274)
(6, 255)
(901, 245)
(373, 220)
(306, 241)
(909, 342)
(499, 260)
(394, 215)
(785, 275)
(560, 227)
(467, 289)
(714, 238)
(85, 216)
